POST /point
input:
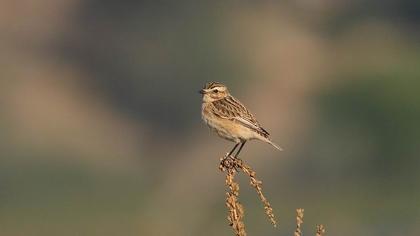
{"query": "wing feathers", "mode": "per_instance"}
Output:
(232, 109)
(252, 126)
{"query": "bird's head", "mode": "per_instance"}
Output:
(214, 91)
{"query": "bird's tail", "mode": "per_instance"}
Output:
(274, 145)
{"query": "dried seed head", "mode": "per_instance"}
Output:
(320, 230)
(299, 221)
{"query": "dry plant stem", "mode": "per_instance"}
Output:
(257, 184)
(236, 210)
(299, 222)
(231, 165)
(320, 230)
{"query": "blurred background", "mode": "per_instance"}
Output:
(101, 132)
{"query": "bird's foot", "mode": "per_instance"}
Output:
(229, 162)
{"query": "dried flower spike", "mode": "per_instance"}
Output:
(257, 184)
(231, 166)
(320, 230)
(299, 221)
(236, 210)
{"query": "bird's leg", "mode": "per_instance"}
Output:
(240, 148)
(233, 149)
(226, 161)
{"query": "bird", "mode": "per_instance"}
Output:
(229, 118)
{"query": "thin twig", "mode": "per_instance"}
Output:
(257, 184)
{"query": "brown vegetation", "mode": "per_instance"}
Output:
(231, 166)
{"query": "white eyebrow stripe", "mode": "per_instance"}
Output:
(219, 88)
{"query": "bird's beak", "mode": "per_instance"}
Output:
(202, 91)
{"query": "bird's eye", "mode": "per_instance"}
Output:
(215, 91)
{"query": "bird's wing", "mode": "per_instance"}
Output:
(230, 108)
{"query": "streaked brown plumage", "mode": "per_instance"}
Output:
(229, 118)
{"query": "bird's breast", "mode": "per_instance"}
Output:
(225, 128)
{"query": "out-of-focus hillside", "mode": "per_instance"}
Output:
(100, 115)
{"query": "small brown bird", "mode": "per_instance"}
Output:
(229, 118)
